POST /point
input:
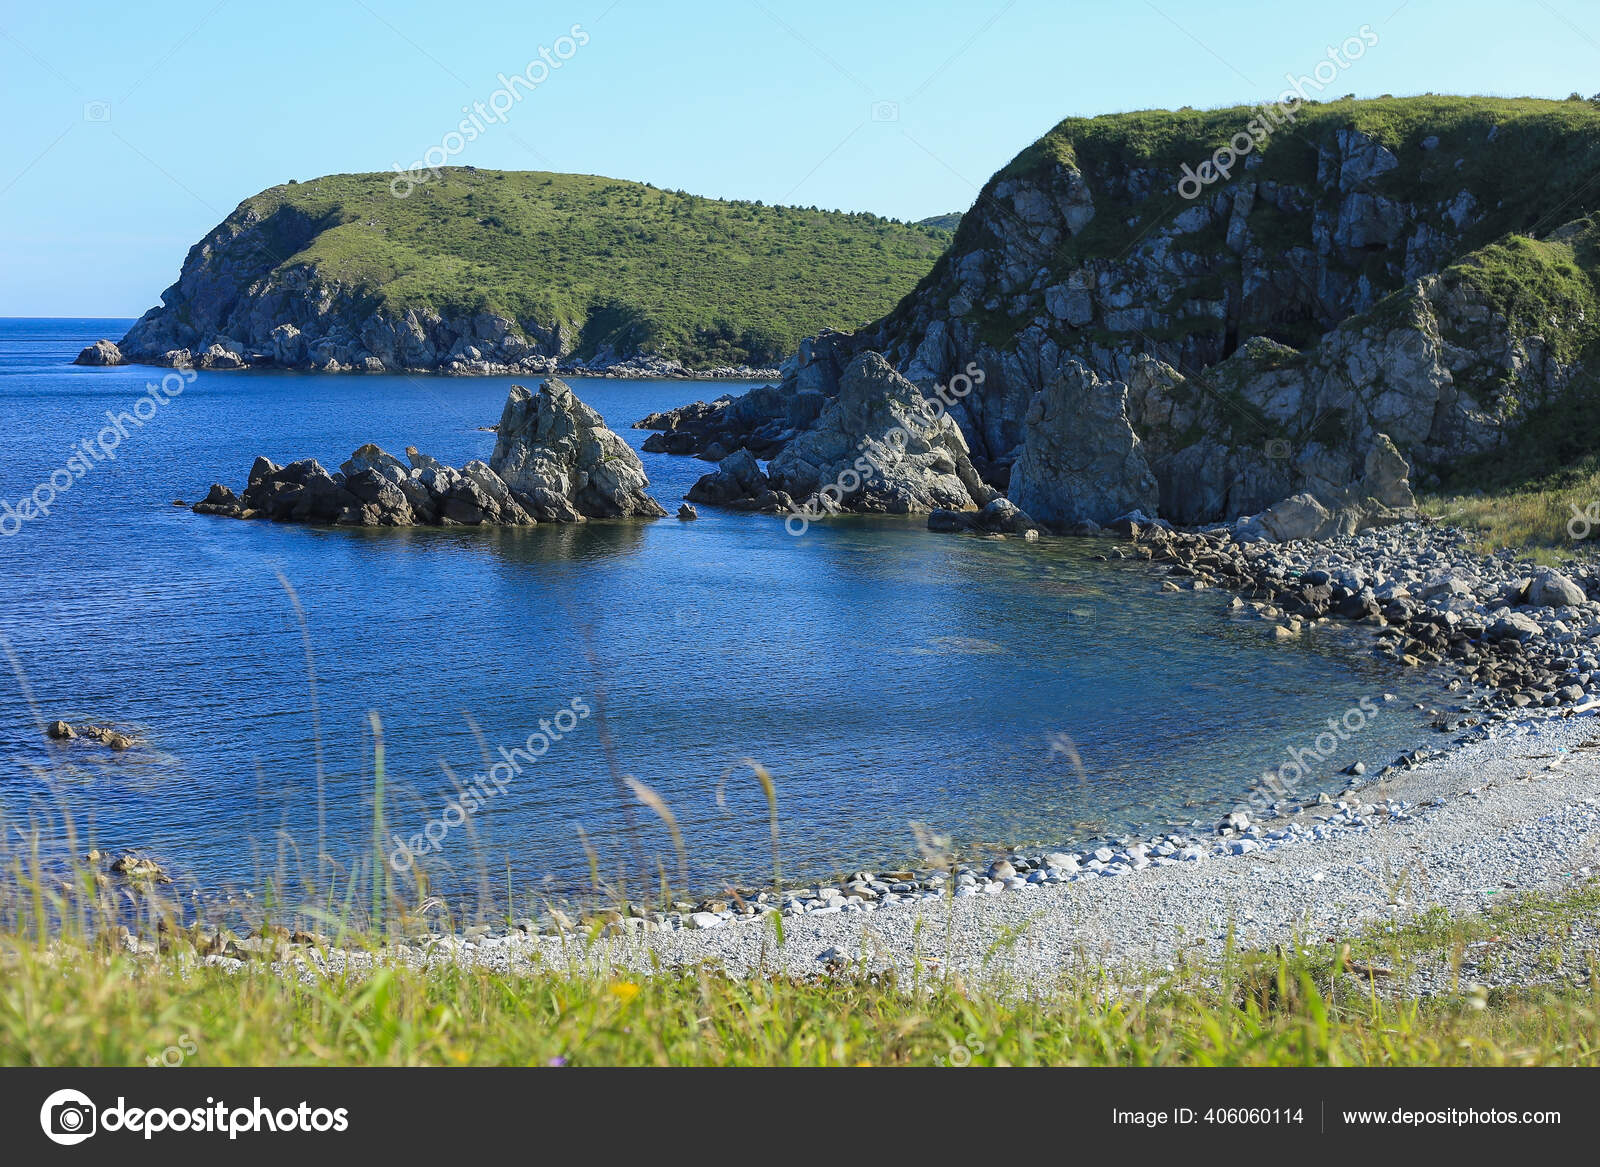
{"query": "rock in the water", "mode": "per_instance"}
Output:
(739, 482)
(568, 465)
(136, 868)
(219, 500)
(106, 736)
(687, 512)
(670, 443)
(879, 446)
(1081, 460)
(552, 448)
(61, 731)
(1006, 517)
(947, 520)
(101, 352)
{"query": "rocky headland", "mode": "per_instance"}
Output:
(554, 460)
(482, 272)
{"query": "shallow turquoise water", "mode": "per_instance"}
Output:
(884, 675)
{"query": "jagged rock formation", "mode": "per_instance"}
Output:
(841, 433)
(880, 445)
(555, 450)
(762, 420)
(739, 483)
(1381, 270)
(554, 462)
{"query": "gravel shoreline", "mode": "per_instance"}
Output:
(1520, 811)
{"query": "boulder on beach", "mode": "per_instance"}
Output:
(1380, 497)
(1550, 589)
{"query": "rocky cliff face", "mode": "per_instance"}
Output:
(237, 302)
(1081, 461)
(1384, 267)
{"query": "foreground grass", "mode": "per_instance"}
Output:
(1339, 1003)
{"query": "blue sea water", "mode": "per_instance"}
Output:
(884, 675)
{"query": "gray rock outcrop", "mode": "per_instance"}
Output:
(1381, 497)
(739, 483)
(1081, 461)
(101, 352)
(1271, 328)
(881, 446)
(555, 450)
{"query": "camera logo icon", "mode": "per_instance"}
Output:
(97, 111)
(1277, 449)
(885, 111)
(68, 1117)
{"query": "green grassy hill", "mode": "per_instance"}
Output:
(620, 263)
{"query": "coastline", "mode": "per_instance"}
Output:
(107, 354)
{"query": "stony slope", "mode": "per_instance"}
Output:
(490, 268)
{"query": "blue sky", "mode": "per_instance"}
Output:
(133, 129)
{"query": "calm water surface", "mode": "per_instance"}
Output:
(884, 675)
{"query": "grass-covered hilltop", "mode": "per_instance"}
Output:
(483, 268)
(1422, 268)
